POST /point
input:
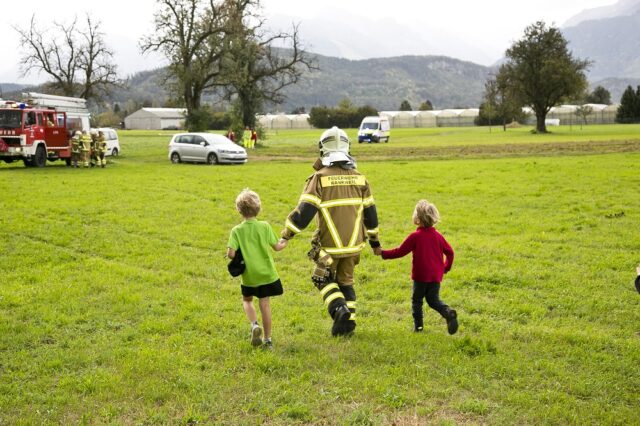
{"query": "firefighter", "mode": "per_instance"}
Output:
(101, 147)
(85, 148)
(75, 148)
(346, 214)
(94, 148)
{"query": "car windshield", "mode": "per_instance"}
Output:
(372, 126)
(10, 119)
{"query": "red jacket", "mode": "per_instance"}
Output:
(428, 247)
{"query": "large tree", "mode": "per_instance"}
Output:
(191, 35)
(73, 56)
(255, 71)
(541, 72)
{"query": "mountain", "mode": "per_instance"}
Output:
(10, 88)
(381, 83)
(374, 34)
(384, 82)
(621, 8)
(611, 40)
(616, 86)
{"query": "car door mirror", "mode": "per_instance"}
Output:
(203, 143)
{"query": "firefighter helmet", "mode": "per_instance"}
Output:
(334, 147)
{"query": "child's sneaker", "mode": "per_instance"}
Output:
(418, 329)
(256, 335)
(267, 345)
(452, 321)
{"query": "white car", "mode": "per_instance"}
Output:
(205, 148)
(111, 138)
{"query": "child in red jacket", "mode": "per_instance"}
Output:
(432, 258)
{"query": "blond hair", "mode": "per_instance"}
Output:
(426, 214)
(248, 203)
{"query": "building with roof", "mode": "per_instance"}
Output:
(156, 119)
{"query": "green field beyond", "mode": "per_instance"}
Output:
(116, 306)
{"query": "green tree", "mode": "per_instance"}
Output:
(541, 72)
(600, 95)
(191, 35)
(426, 106)
(405, 106)
(629, 110)
(497, 106)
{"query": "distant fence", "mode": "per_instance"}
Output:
(566, 114)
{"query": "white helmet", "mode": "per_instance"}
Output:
(334, 147)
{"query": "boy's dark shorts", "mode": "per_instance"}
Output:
(266, 290)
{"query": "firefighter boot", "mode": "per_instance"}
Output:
(452, 320)
(349, 324)
(341, 321)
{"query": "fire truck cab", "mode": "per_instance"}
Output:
(32, 134)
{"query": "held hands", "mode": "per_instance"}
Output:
(281, 244)
(638, 269)
(377, 251)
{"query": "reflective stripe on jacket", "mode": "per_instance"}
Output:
(342, 201)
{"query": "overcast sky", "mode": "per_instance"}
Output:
(488, 26)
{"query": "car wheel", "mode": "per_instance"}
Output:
(40, 159)
(114, 152)
(386, 140)
(212, 158)
(175, 158)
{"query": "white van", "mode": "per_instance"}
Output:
(111, 138)
(374, 129)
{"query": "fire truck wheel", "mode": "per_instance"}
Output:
(40, 159)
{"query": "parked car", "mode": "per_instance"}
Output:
(111, 137)
(205, 148)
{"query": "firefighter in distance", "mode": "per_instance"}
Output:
(340, 197)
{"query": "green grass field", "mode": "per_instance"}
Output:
(116, 306)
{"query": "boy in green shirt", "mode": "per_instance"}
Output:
(255, 238)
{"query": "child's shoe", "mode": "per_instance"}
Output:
(452, 321)
(267, 345)
(418, 329)
(256, 335)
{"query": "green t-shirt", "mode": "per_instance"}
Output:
(255, 238)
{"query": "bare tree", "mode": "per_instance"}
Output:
(255, 70)
(76, 59)
(190, 34)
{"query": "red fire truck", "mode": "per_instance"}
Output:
(33, 134)
(40, 129)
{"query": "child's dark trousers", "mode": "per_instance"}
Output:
(431, 292)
